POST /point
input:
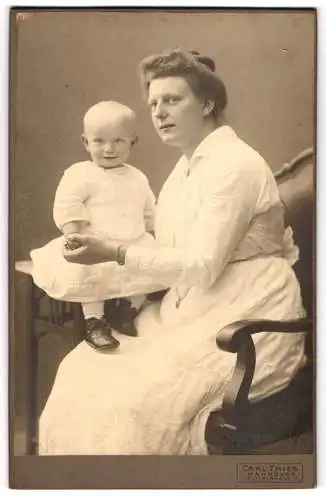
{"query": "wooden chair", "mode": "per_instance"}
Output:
(283, 422)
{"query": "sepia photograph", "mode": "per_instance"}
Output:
(162, 268)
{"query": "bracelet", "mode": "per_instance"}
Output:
(121, 255)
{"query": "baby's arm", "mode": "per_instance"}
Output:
(69, 209)
(149, 212)
(74, 227)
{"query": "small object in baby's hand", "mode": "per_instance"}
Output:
(72, 244)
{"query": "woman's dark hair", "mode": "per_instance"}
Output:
(196, 69)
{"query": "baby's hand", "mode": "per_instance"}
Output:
(71, 243)
(90, 249)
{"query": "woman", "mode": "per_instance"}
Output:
(222, 251)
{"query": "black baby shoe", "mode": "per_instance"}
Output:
(121, 315)
(99, 335)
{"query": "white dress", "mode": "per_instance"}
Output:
(223, 251)
(117, 202)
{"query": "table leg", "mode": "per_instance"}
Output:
(32, 370)
(78, 324)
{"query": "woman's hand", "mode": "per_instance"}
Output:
(89, 249)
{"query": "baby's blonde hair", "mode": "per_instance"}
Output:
(107, 111)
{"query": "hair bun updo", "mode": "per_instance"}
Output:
(207, 61)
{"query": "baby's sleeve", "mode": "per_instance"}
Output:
(70, 197)
(149, 210)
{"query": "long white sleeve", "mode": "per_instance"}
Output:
(70, 197)
(222, 220)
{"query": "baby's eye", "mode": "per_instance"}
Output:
(119, 140)
(97, 140)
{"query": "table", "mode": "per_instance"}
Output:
(44, 316)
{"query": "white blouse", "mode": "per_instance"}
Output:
(221, 206)
(118, 201)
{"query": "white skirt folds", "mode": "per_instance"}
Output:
(72, 282)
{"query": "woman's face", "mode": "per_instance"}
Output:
(178, 116)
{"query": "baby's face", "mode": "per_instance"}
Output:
(108, 143)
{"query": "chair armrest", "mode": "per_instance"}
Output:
(288, 168)
(236, 338)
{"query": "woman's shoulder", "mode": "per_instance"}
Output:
(239, 159)
(245, 155)
(236, 166)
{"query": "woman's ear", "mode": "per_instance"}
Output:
(208, 107)
(84, 141)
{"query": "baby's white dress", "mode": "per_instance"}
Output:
(117, 202)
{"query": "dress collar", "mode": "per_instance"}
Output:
(210, 146)
(118, 170)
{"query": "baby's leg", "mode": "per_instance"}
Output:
(93, 309)
(137, 301)
(98, 333)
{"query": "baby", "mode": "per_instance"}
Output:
(102, 195)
